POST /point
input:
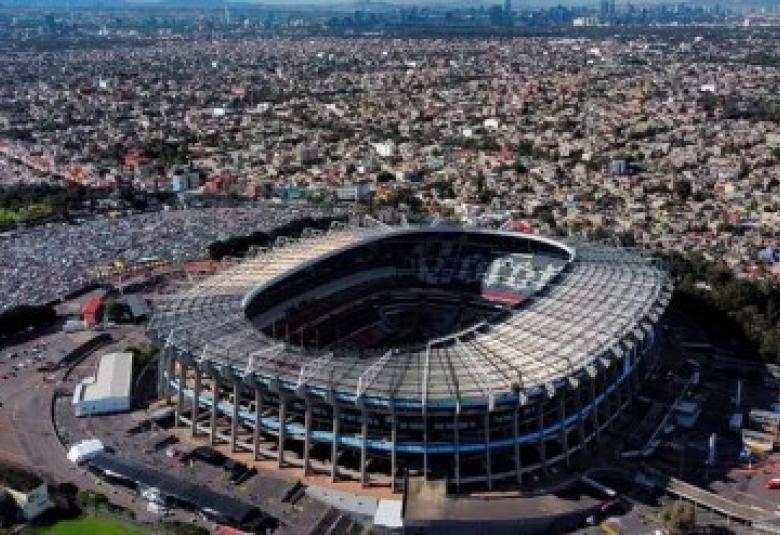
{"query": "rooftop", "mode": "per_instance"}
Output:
(18, 479)
(113, 377)
(428, 502)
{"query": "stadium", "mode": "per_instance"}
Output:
(369, 353)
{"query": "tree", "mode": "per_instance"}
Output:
(115, 311)
(682, 189)
(20, 319)
(385, 176)
(678, 517)
(546, 216)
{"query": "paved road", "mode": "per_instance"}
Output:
(715, 502)
(31, 439)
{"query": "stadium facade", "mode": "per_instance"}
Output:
(368, 353)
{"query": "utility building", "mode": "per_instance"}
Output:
(109, 390)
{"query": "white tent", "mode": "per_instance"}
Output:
(388, 514)
(85, 450)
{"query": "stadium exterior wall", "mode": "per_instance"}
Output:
(540, 432)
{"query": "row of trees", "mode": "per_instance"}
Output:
(24, 318)
(30, 203)
(744, 310)
(59, 197)
(238, 246)
(754, 109)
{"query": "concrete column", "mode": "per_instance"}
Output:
(162, 365)
(171, 364)
(425, 446)
(564, 433)
(307, 439)
(234, 419)
(334, 472)
(180, 393)
(516, 434)
(635, 379)
(542, 445)
(393, 452)
(364, 448)
(488, 463)
(163, 388)
(580, 419)
(282, 429)
(195, 403)
(456, 424)
(627, 393)
(601, 379)
(594, 408)
(611, 379)
(634, 382)
(258, 416)
(635, 372)
(214, 402)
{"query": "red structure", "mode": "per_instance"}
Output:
(227, 530)
(216, 184)
(206, 266)
(92, 310)
(134, 160)
(521, 226)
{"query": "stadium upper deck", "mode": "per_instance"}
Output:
(563, 309)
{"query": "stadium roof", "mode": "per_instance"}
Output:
(604, 303)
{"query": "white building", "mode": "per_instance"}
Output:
(30, 493)
(353, 192)
(386, 149)
(109, 390)
(85, 450)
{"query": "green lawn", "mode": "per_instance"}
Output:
(87, 525)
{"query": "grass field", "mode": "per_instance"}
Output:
(86, 525)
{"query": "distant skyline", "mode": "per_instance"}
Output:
(357, 4)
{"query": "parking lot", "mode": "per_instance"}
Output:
(121, 433)
(43, 263)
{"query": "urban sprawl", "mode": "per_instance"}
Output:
(672, 144)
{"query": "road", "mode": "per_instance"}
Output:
(28, 436)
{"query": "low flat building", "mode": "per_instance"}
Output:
(29, 491)
(428, 509)
(109, 390)
(92, 311)
(219, 508)
(139, 309)
(85, 450)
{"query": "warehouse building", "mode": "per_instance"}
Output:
(109, 390)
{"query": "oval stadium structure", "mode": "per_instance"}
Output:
(477, 356)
